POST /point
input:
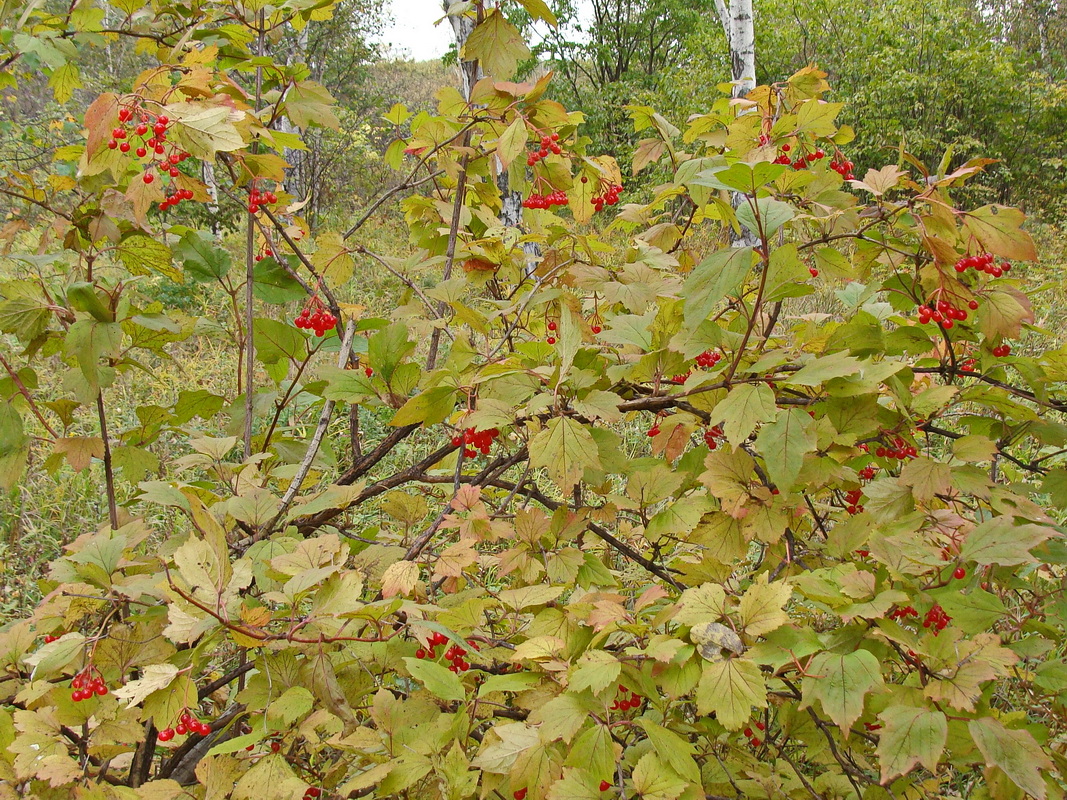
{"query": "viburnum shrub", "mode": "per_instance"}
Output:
(832, 569)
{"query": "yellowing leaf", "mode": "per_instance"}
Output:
(762, 606)
(271, 778)
(998, 230)
(730, 689)
(566, 448)
(154, 677)
(911, 736)
(654, 780)
(705, 603)
(840, 683)
(512, 141)
(1013, 751)
(205, 128)
(400, 578)
(746, 406)
(497, 45)
(503, 744)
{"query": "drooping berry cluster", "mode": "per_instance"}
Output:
(315, 316)
(983, 262)
(610, 196)
(898, 450)
(625, 700)
(681, 377)
(266, 253)
(87, 683)
(434, 640)
(843, 167)
(903, 612)
(712, 436)
(1002, 350)
(936, 619)
(945, 313)
(803, 160)
(455, 654)
(545, 201)
(187, 723)
(257, 198)
(549, 144)
(752, 736)
(868, 472)
(852, 498)
(552, 326)
(708, 359)
(967, 365)
(475, 441)
(150, 136)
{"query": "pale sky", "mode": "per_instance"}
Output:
(412, 31)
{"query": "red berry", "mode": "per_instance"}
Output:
(786, 148)
(596, 329)
(100, 689)
(124, 147)
(313, 791)
(181, 729)
(552, 326)
(551, 340)
(604, 786)
(959, 574)
(253, 208)
(814, 272)
(275, 747)
(519, 794)
(166, 734)
(368, 371)
(112, 144)
(149, 177)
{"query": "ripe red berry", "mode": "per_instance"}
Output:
(520, 794)
(814, 272)
(552, 326)
(313, 791)
(596, 329)
(604, 786)
(551, 340)
(166, 734)
(149, 177)
(959, 574)
(275, 747)
(141, 152)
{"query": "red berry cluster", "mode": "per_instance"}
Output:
(967, 365)
(712, 435)
(435, 640)
(624, 702)
(49, 637)
(456, 654)
(903, 612)
(936, 619)
(872, 726)
(256, 198)
(552, 326)
(549, 144)
(544, 201)
(802, 160)
(312, 792)
(752, 736)
(708, 359)
(944, 313)
(474, 441)
(151, 130)
(267, 253)
(187, 723)
(653, 432)
(843, 168)
(852, 497)
(1002, 350)
(983, 262)
(681, 377)
(868, 472)
(610, 197)
(900, 450)
(87, 683)
(315, 316)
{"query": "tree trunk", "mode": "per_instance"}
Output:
(737, 24)
(470, 74)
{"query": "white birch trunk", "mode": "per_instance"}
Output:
(738, 25)
(470, 74)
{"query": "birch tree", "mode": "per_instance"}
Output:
(737, 24)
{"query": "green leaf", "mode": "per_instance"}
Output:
(926, 477)
(783, 445)
(437, 679)
(1013, 751)
(143, 255)
(672, 749)
(910, 736)
(276, 341)
(773, 214)
(387, 348)
(512, 141)
(717, 276)
(566, 448)
(824, 368)
(428, 408)
(497, 45)
(596, 670)
(746, 406)
(309, 103)
(730, 689)
(294, 704)
(840, 683)
(1001, 541)
(205, 260)
(272, 283)
(270, 778)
